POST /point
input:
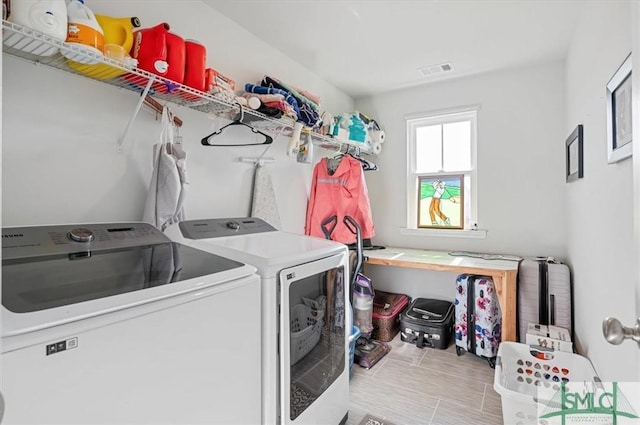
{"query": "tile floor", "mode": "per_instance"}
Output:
(410, 386)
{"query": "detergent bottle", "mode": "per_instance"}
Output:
(45, 16)
(294, 141)
(305, 150)
(176, 58)
(118, 40)
(195, 65)
(150, 48)
(84, 30)
(118, 30)
(162, 53)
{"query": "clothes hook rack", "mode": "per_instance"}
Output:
(158, 107)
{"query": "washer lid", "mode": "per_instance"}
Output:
(39, 283)
(268, 250)
(68, 280)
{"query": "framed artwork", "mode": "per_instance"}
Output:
(441, 201)
(574, 155)
(619, 135)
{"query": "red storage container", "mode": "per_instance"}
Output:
(176, 58)
(160, 52)
(150, 48)
(196, 63)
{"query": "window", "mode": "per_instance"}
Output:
(441, 171)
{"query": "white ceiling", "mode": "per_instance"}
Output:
(363, 47)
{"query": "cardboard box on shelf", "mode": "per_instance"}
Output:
(552, 337)
(215, 79)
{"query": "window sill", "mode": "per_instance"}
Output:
(441, 233)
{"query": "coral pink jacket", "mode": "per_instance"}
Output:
(341, 193)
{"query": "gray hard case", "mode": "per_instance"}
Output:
(544, 295)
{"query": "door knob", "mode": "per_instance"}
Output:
(615, 332)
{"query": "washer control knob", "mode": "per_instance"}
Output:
(81, 234)
(233, 225)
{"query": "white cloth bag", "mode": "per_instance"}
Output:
(168, 185)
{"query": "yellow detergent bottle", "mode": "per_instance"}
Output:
(83, 32)
(118, 41)
(118, 30)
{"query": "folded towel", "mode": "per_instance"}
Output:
(264, 98)
(284, 107)
(273, 82)
(313, 97)
(252, 88)
(305, 112)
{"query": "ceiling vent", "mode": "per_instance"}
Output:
(435, 69)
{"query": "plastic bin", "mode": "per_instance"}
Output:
(306, 328)
(355, 334)
(523, 370)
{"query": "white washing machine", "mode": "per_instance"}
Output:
(116, 324)
(304, 296)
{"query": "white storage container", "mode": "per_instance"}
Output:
(522, 370)
(552, 337)
(48, 17)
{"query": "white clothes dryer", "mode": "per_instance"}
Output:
(117, 324)
(304, 334)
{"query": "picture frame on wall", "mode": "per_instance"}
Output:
(441, 201)
(574, 155)
(619, 132)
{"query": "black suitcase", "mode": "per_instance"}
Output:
(427, 322)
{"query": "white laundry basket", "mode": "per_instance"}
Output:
(306, 328)
(521, 370)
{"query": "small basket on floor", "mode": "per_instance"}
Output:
(355, 334)
(527, 376)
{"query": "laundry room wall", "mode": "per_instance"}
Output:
(521, 135)
(59, 133)
(599, 206)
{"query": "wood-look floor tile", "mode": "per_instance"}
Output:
(452, 413)
(400, 405)
(492, 401)
(360, 371)
(432, 382)
(412, 386)
(406, 352)
(467, 365)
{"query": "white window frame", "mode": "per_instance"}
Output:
(471, 217)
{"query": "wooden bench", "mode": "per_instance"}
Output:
(503, 273)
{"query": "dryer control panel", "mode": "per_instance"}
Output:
(222, 227)
(20, 242)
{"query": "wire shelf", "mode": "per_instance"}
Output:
(36, 47)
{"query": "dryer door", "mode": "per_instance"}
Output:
(313, 339)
